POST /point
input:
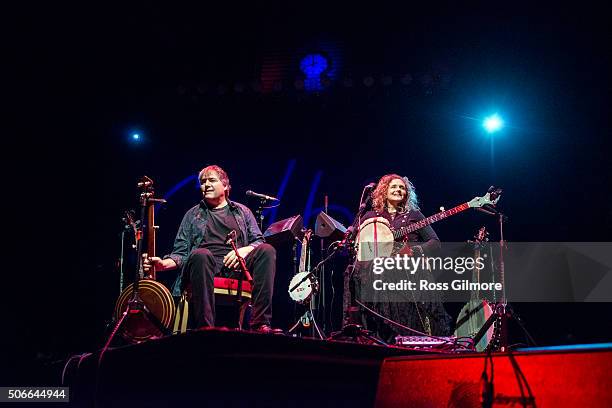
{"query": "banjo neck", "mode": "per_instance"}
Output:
(402, 232)
(304, 255)
(303, 284)
(481, 236)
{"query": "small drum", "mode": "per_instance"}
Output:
(158, 300)
(375, 239)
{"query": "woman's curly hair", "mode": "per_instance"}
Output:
(379, 195)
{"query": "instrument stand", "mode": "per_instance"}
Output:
(306, 321)
(320, 297)
(502, 311)
(308, 317)
(136, 304)
(354, 331)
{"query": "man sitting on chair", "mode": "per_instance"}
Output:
(200, 250)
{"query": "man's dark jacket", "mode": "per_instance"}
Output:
(193, 227)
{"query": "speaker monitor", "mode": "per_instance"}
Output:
(327, 227)
(285, 230)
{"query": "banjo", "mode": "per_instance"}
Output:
(304, 284)
(477, 311)
(376, 237)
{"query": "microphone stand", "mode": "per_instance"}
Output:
(348, 243)
(259, 214)
(128, 224)
(501, 310)
(121, 257)
(260, 207)
(321, 296)
(351, 330)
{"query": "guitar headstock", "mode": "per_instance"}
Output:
(307, 235)
(130, 224)
(495, 193)
(146, 185)
(128, 219)
(491, 198)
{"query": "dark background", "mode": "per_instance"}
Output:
(82, 78)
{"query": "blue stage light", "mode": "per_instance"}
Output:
(135, 136)
(313, 66)
(493, 123)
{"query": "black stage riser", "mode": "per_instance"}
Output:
(229, 368)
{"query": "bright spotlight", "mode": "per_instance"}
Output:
(493, 123)
(135, 136)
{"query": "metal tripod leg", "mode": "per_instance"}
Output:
(303, 321)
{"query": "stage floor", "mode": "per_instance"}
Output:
(230, 368)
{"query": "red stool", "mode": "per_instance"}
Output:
(226, 294)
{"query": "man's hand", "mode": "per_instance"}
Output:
(159, 264)
(231, 260)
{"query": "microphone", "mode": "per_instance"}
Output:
(264, 197)
(368, 197)
(492, 210)
(489, 209)
(348, 237)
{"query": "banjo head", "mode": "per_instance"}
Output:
(471, 319)
(374, 240)
(302, 292)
